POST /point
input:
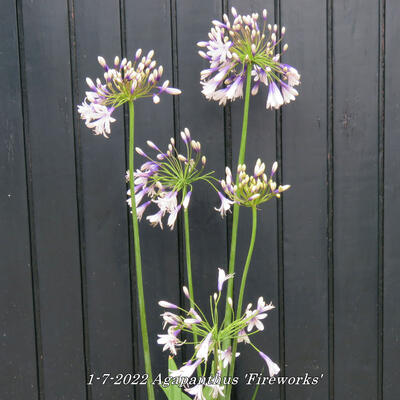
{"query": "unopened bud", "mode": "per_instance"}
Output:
(186, 292)
(230, 302)
(150, 54)
(166, 304)
(182, 158)
(101, 61)
(283, 188)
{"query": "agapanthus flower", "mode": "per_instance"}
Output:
(209, 336)
(197, 392)
(226, 356)
(216, 390)
(243, 337)
(204, 347)
(247, 44)
(251, 190)
(170, 341)
(166, 177)
(123, 81)
(272, 367)
(187, 370)
(258, 314)
(222, 278)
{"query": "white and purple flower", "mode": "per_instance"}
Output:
(246, 44)
(167, 179)
(124, 81)
(272, 367)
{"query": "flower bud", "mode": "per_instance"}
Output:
(102, 61)
(283, 188)
(230, 302)
(186, 292)
(166, 304)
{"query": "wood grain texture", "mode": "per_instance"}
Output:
(18, 373)
(106, 242)
(356, 41)
(304, 127)
(49, 126)
(391, 326)
(326, 253)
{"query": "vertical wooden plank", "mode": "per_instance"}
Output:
(149, 27)
(263, 274)
(49, 125)
(18, 375)
(391, 389)
(104, 209)
(304, 126)
(206, 123)
(356, 41)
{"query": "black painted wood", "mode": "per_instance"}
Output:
(105, 217)
(55, 224)
(326, 253)
(391, 326)
(356, 41)
(18, 372)
(304, 139)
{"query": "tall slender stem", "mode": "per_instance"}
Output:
(138, 258)
(235, 223)
(189, 261)
(241, 294)
(187, 250)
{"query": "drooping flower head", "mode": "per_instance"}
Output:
(163, 177)
(248, 43)
(251, 190)
(123, 81)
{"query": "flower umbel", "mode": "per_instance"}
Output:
(124, 81)
(248, 42)
(211, 335)
(251, 190)
(164, 177)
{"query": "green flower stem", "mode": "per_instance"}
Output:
(235, 223)
(138, 258)
(241, 294)
(189, 262)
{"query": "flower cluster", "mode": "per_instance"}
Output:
(250, 190)
(124, 81)
(247, 43)
(212, 335)
(162, 178)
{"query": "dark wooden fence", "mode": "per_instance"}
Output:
(327, 254)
